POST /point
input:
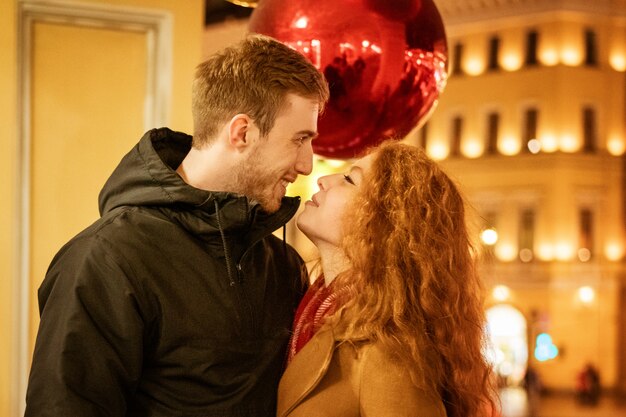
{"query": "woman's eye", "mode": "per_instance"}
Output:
(348, 179)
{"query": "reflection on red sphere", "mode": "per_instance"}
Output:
(385, 62)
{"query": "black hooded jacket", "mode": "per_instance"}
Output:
(176, 302)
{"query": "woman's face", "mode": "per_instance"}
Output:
(323, 214)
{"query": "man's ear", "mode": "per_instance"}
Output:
(239, 131)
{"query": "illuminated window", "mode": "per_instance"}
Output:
(585, 238)
(422, 139)
(532, 39)
(494, 53)
(526, 236)
(457, 57)
(589, 129)
(591, 49)
(531, 116)
(493, 126)
(456, 134)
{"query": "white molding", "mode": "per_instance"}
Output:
(157, 25)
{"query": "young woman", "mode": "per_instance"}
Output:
(394, 326)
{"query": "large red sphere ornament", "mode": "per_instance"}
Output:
(385, 62)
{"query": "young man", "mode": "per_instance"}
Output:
(179, 300)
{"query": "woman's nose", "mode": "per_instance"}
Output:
(321, 182)
(327, 181)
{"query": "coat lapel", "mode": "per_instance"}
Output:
(305, 371)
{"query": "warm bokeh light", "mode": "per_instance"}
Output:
(474, 66)
(509, 146)
(570, 55)
(302, 23)
(563, 251)
(511, 61)
(335, 163)
(586, 294)
(584, 255)
(568, 143)
(501, 293)
(614, 251)
(489, 236)
(534, 146)
(549, 57)
(545, 252)
(618, 61)
(438, 150)
(616, 145)
(549, 143)
(526, 255)
(472, 148)
(505, 251)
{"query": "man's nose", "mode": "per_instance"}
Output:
(304, 163)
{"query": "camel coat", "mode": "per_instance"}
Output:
(331, 377)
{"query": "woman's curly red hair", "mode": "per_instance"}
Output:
(416, 286)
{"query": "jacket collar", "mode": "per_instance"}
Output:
(147, 177)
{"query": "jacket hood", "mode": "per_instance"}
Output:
(146, 176)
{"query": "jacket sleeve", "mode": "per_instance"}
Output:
(386, 390)
(88, 354)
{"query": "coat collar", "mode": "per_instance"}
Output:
(308, 367)
(306, 370)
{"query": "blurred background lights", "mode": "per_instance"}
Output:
(335, 163)
(526, 255)
(302, 23)
(549, 56)
(584, 254)
(546, 252)
(505, 251)
(614, 251)
(511, 61)
(616, 146)
(438, 151)
(544, 348)
(474, 66)
(534, 146)
(489, 236)
(563, 251)
(509, 145)
(568, 143)
(501, 293)
(549, 143)
(571, 56)
(472, 148)
(586, 294)
(618, 61)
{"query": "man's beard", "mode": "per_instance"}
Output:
(254, 181)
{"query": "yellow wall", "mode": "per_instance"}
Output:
(188, 25)
(8, 145)
(187, 30)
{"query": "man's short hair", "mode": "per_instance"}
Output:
(252, 77)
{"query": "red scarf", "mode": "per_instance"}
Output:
(319, 302)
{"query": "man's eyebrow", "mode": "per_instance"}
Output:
(309, 133)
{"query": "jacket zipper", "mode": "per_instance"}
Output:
(244, 296)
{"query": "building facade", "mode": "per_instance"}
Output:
(532, 124)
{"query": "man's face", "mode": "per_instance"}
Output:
(276, 160)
